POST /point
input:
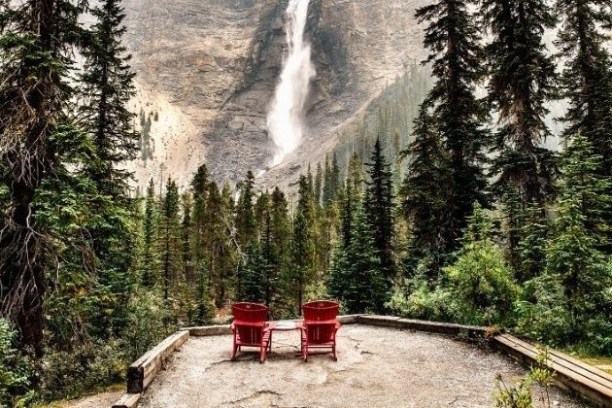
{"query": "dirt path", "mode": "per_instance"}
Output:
(377, 367)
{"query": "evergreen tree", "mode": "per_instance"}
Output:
(246, 226)
(318, 183)
(335, 177)
(521, 83)
(570, 302)
(356, 278)
(481, 285)
(424, 194)
(36, 43)
(268, 260)
(107, 84)
(280, 237)
(188, 276)
(579, 230)
(328, 186)
(456, 114)
(149, 275)
(349, 204)
(199, 189)
(205, 308)
(587, 78)
(356, 175)
(303, 245)
(252, 275)
(219, 248)
(170, 239)
(379, 211)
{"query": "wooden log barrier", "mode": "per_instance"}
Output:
(451, 329)
(142, 372)
(203, 331)
(127, 401)
(590, 382)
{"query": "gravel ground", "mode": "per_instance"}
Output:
(376, 367)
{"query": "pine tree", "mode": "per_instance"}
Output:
(579, 229)
(587, 78)
(199, 189)
(328, 186)
(107, 84)
(280, 237)
(424, 194)
(379, 211)
(480, 283)
(252, 275)
(303, 245)
(356, 175)
(456, 114)
(170, 239)
(335, 177)
(318, 183)
(356, 278)
(246, 226)
(269, 261)
(188, 275)
(522, 82)
(36, 43)
(149, 275)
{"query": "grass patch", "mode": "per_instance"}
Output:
(603, 363)
(68, 403)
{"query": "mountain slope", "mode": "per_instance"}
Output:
(207, 70)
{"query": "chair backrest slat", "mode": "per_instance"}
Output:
(249, 312)
(319, 310)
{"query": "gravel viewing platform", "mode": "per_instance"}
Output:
(376, 367)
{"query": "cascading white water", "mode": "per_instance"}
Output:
(285, 117)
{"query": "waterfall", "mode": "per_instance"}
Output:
(285, 118)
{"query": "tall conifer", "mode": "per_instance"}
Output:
(456, 115)
(521, 84)
(379, 210)
(36, 45)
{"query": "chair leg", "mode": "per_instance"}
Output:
(334, 352)
(235, 348)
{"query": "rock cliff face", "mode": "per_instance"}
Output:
(207, 70)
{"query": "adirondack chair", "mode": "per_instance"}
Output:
(250, 329)
(318, 330)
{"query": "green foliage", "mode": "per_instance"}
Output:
(252, 275)
(16, 370)
(586, 77)
(424, 194)
(356, 277)
(548, 318)
(517, 396)
(521, 82)
(145, 327)
(520, 395)
(478, 288)
(573, 299)
(454, 114)
(379, 209)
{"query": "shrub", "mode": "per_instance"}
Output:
(16, 370)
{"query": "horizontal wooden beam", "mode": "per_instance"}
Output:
(142, 372)
(591, 383)
(201, 331)
(451, 329)
(127, 401)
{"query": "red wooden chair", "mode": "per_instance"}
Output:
(318, 330)
(250, 329)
